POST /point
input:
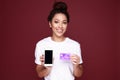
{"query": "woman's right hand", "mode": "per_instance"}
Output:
(48, 68)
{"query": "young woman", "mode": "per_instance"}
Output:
(61, 69)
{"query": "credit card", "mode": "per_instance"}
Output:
(65, 56)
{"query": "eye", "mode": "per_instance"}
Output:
(64, 22)
(56, 22)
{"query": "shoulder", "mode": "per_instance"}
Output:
(43, 41)
(73, 42)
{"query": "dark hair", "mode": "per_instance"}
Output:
(59, 7)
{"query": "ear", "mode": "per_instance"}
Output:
(50, 24)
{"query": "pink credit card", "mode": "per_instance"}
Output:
(64, 56)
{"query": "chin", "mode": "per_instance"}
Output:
(59, 35)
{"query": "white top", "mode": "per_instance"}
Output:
(61, 69)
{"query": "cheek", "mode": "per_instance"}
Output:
(65, 27)
(54, 25)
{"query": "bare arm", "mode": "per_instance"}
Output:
(41, 70)
(77, 68)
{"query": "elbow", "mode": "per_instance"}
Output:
(78, 75)
(40, 75)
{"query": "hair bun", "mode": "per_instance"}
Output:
(60, 6)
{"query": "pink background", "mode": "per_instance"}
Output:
(94, 23)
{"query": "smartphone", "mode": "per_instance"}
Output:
(48, 58)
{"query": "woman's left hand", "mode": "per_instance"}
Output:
(75, 59)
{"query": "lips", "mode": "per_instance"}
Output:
(59, 30)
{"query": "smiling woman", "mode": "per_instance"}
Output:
(62, 69)
(59, 26)
(93, 23)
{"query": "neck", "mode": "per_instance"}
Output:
(58, 39)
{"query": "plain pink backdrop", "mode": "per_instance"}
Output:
(93, 23)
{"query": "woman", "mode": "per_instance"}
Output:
(61, 69)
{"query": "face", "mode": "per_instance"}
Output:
(59, 25)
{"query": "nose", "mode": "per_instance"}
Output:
(60, 25)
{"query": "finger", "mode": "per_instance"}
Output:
(75, 60)
(42, 58)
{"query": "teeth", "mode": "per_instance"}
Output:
(60, 31)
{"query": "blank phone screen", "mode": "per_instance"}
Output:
(48, 56)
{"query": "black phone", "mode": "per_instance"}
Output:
(48, 57)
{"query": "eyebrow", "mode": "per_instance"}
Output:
(58, 20)
(64, 20)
